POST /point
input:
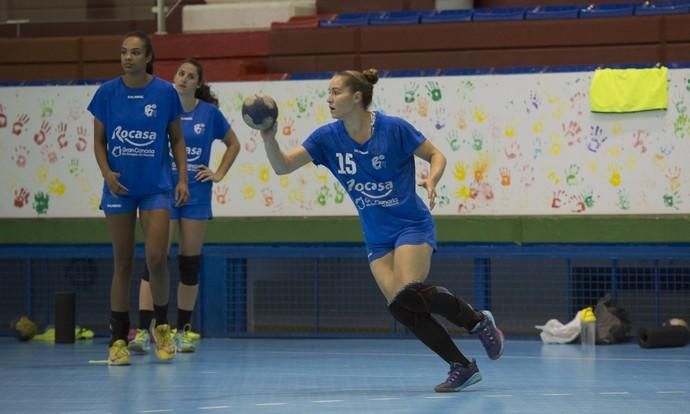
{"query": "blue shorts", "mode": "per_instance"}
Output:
(408, 235)
(193, 212)
(121, 204)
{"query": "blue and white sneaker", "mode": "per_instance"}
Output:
(460, 377)
(491, 337)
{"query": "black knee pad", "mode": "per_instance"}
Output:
(420, 297)
(402, 315)
(189, 267)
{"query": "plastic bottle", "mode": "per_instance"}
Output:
(588, 332)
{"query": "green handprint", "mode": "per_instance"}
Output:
(324, 193)
(571, 175)
(434, 90)
(443, 199)
(588, 198)
(411, 92)
(680, 126)
(303, 104)
(41, 201)
(339, 193)
(477, 141)
(672, 200)
(74, 167)
(623, 200)
(47, 107)
(453, 139)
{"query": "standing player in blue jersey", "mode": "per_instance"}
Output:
(136, 121)
(202, 123)
(372, 155)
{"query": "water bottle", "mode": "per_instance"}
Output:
(588, 331)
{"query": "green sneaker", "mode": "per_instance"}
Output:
(184, 340)
(141, 344)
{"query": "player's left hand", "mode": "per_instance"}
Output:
(431, 191)
(204, 174)
(181, 194)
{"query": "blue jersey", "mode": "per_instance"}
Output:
(136, 122)
(201, 126)
(379, 175)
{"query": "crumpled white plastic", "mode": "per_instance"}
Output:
(555, 332)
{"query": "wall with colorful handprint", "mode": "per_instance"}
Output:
(520, 144)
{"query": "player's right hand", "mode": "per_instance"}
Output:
(114, 185)
(270, 133)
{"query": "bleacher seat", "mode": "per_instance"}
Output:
(608, 10)
(350, 19)
(447, 16)
(399, 17)
(500, 13)
(659, 8)
(553, 12)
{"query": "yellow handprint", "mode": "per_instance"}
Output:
(460, 171)
(56, 187)
(249, 192)
(264, 173)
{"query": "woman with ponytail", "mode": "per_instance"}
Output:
(202, 123)
(372, 155)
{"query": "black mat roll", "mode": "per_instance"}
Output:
(65, 309)
(663, 336)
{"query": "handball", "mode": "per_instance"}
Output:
(259, 111)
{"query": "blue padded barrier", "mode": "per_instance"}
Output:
(399, 17)
(518, 70)
(608, 10)
(350, 19)
(553, 12)
(501, 13)
(448, 16)
(660, 8)
(310, 75)
(465, 71)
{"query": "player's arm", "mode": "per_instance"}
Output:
(100, 150)
(429, 153)
(232, 149)
(179, 151)
(281, 162)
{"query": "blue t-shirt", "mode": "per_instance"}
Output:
(136, 122)
(379, 175)
(201, 126)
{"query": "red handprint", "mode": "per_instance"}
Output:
(21, 197)
(221, 192)
(81, 139)
(18, 125)
(62, 135)
(3, 117)
(557, 198)
(40, 136)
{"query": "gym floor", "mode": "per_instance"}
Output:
(280, 376)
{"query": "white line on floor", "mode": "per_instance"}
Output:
(326, 401)
(671, 392)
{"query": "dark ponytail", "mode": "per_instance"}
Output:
(202, 92)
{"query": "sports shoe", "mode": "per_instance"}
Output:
(184, 341)
(118, 353)
(165, 346)
(460, 377)
(490, 335)
(141, 343)
(191, 335)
